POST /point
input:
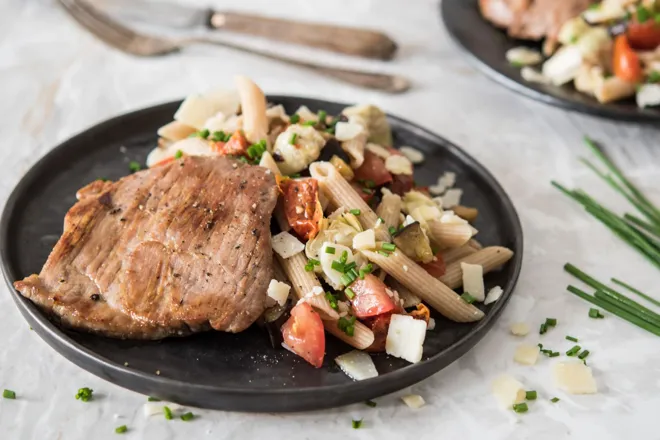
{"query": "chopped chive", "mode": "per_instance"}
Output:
(365, 270)
(203, 133)
(347, 279)
(543, 329)
(643, 14)
(338, 266)
(84, 394)
(530, 395)
(367, 191)
(347, 325)
(322, 114)
(292, 139)
(554, 400)
(295, 118)
(550, 322)
(573, 351)
(554, 354)
(121, 429)
(520, 407)
(392, 230)
(353, 273)
(309, 267)
(355, 211)
(389, 247)
(540, 346)
(153, 399)
(332, 300)
(187, 416)
(9, 394)
(369, 183)
(330, 250)
(349, 293)
(357, 423)
(383, 253)
(633, 290)
(583, 355)
(350, 266)
(310, 123)
(134, 166)
(468, 298)
(218, 136)
(370, 403)
(178, 154)
(594, 313)
(168, 412)
(571, 338)
(344, 257)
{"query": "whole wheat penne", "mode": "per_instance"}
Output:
(278, 272)
(409, 298)
(355, 149)
(451, 255)
(420, 283)
(253, 107)
(389, 209)
(475, 244)
(466, 213)
(341, 193)
(303, 282)
(449, 235)
(362, 337)
(489, 258)
(175, 131)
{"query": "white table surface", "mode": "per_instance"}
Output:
(56, 80)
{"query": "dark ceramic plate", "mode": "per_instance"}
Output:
(239, 372)
(487, 46)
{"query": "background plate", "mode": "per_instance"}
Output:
(487, 46)
(238, 372)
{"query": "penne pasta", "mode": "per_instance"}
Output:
(340, 193)
(355, 149)
(389, 209)
(475, 244)
(253, 107)
(362, 337)
(451, 255)
(175, 131)
(278, 272)
(409, 299)
(489, 258)
(303, 282)
(449, 235)
(466, 213)
(430, 289)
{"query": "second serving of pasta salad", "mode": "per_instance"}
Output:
(362, 252)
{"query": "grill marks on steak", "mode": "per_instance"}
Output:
(171, 250)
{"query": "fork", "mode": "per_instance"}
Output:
(127, 40)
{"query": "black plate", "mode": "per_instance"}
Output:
(238, 372)
(488, 45)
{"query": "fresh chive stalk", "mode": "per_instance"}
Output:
(635, 291)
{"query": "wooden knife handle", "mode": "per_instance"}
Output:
(346, 40)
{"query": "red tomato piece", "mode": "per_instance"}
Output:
(401, 184)
(301, 206)
(373, 169)
(303, 333)
(237, 145)
(625, 61)
(644, 36)
(379, 326)
(371, 298)
(435, 268)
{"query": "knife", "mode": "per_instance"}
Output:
(341, 39)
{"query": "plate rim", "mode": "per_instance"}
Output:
(67, 347)
(526, 90)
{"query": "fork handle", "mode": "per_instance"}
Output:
(346, 40)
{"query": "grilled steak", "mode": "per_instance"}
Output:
(175, 249)
(532, 19)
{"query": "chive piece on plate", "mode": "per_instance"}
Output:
(134, 166)
(295, 118)
(178, 154)
(392, 230)
(571, 338)
(344, 257)
(550, 322)
(554, 400)
(468, 298)
(520, 407)
(383, 253)
(355, 211)
(153, 399)
(370, 403)
(349, 293)
(121, 429)
(583, 355)
(330, 250)
(389, 247)
(84, 394)
(594, 313)
(168, 412)
(187, 416)
(292, 139)
(573, 351)
(530, 395)
(543, 329)
(9, 394)
(357, 424)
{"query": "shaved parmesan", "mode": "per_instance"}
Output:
(396, 164)
(523, 56)
(379, 151)
(451, 217)
(574, 378)
(473, 280)
(508, 391)
(532, 75)
(526, 354)
(365, 240)
(493, 295)
(189, 147)
(431, 325)
(413, 155)
(196, 109)
(519, 329)
(175, 131)
(413, 401)
(405, 338)
(286, 245)
(333, 276)
(278, 291)
(306, 114)
(448, 179)
(277, 111)
(648, 95)
(345, 131)
(357, 365)
(451, 198)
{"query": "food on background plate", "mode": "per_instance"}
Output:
(608, 49)
(358, 249)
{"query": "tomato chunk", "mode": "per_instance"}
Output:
(644, 36)
(301, 206)
(379, 326)
(625, 61)
(303, 333)
(237, 145)
(373, 169)
(435, 268)
(401, 184)
(371, 298)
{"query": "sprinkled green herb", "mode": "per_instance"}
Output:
(573, 351)
(355, 211)
(367, 191)
(178, 154)
(309, 267)
(643, 14)
(392, 230)
(370, 403)
(595, 313)
(554, 400)
(103, 179)
(220, 136)
(389, 247)
(322, 114)
(571, 338)
(520, 407)
(9, 394)
(332, 300)
(292, 139)
(550, 322)
(344, 257)
(347, 325)
(168, 412)
(368, 183)
(134, 166)
(121, 429)
(357, 424)
(543, 329)
(187, 416)
(365, 270)
(383, 253)
(84, 394)
(310, 123)
(330, 250)
(468, 298)
(349, 293)
(295, 118)
(583, 355)
(338, 266)
(654, 76)
(530, 395)
(153, 399)
(203, 133)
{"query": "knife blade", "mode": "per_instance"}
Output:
(346, 40)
